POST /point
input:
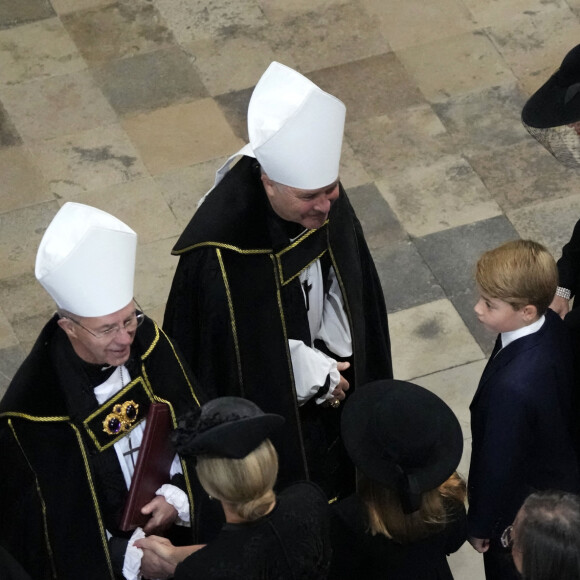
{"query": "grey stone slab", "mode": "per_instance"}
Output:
(119, 30)
(550, 223)
(149, 81)
(9, 137)
(452, 254)
(405, 278)
(378, 220)
(490, 116)
(15, 12)
(370, 87)
(10, 359)
(464, 303)
(234, 106)
(23, 297)
(342, 32)
(523, 173)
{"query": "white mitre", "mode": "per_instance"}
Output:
(86, 261)
(295, 129)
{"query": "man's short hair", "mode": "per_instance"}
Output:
(519, 272)
(548, 536)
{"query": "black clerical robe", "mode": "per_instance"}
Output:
(61, 487)
(236, 299)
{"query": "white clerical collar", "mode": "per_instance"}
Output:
(507, 337)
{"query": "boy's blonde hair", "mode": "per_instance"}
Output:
(520, 272)
(247, 483)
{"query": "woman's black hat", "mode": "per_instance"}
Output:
(402, 436)
(557, 101)
(225, 427)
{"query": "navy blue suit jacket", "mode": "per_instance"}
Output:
(521, 423)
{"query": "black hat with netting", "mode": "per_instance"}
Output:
(551, 112)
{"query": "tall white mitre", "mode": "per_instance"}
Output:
(295, 129)
(86, 261)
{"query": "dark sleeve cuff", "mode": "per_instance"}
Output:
(117, 549)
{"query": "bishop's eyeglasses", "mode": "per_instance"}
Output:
(129, 324)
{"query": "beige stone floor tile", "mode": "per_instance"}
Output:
(388, 86)
(486, 12)
(156, 313)
(66, 6)
(46, 108)
(183, 188)
(192, 21)
(27, 298)
(455, 65)
(22, 181)
(28, 329)
(429, 338)
(466, 564)
(280, 10)
(139, 204)
(153, 275)
(233, 63)
(89, 160)
(22, 230)
(40, 49)
(408, 23)
(534, 43)
(456, 386)
(122, 29)
(574, 6)
(444, 195)
(352, 171)
(389, 144)
(181, 135)
(338, 34)
(550, 222)
(7, 336)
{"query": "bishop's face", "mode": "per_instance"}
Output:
(103, 340)
(307, 207)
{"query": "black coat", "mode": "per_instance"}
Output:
(60, 483)
(521, 424)
(290, 542)
(569, 264)
(358, 555)
(236, 300)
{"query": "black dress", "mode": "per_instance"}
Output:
(291, 542)
(359, 555)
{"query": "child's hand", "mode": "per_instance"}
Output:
(479, 544)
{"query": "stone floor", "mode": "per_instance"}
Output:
(131, 105)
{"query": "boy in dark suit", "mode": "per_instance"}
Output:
(521, 419)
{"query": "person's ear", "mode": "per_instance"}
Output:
(530, 313)
(67, 326)
(268, 185)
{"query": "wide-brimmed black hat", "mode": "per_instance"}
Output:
(557, 101)
(225, 427)
(402, 436)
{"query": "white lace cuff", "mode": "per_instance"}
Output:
(133, 555)
(177, 498)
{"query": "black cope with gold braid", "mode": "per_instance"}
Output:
(119, 415)
(301, 253)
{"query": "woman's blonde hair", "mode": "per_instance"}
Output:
(247, 484)
(386, 515)
(519, 272)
